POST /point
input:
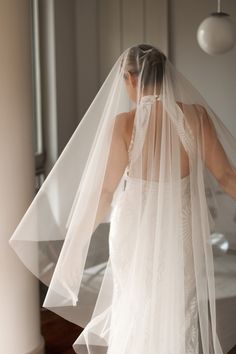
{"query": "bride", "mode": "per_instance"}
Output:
(150, 155)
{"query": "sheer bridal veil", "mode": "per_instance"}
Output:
(151, 158)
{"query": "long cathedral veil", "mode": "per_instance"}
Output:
(153, 164)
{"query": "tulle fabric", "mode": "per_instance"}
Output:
(155, 292)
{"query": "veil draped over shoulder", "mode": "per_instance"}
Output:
(151, 158)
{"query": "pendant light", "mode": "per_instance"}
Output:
(216, 33)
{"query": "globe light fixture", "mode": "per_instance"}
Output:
(216, 33)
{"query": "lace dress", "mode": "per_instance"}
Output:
(134, 316)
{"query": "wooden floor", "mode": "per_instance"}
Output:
(59, 334)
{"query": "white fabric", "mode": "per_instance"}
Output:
(148, 152)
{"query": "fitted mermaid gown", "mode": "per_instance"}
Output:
(132, 315)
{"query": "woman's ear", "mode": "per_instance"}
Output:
(131, 78)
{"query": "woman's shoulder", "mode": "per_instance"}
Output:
(125, 120)
(124, 125)
(191, 108)
(195, 115)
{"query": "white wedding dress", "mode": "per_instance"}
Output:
(133, 316)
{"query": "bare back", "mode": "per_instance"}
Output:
(153, 136)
